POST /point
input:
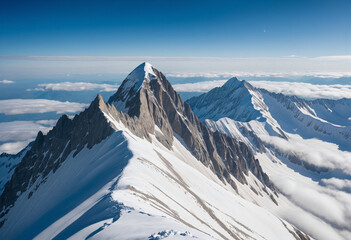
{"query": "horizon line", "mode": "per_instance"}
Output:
(168, 58)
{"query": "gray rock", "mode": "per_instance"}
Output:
(158, 104)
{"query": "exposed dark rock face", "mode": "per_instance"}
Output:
(49, 151)
(8, 163)
(158, 104)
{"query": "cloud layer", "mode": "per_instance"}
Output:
(24, 106)
(306, 90)
(6, 81)
(313, 151)
(336, 183)
(23, 130)
(13, 147)
(18, 134)
(75, 86)
(330, 205)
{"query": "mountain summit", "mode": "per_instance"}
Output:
(141, 166)
(235, 98)
(147, 94)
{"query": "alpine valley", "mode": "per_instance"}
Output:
(237, 162)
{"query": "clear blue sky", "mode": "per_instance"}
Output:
(237, 28)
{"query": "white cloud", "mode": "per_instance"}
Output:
(23, 130)
(23, 106)
(336, 183)
(310, 223)
(329, 205)
(313, 151)
(17, 134)
(13, 147)
(315, 201)
(75, 86)
(7, 81)
(334, 58)
(198, 86)
(306, 90)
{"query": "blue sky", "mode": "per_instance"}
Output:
(228, 29)
(244, 28)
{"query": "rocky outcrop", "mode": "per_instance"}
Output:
(49, 151)
(8, 163)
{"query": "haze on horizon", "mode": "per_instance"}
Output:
(247, 37)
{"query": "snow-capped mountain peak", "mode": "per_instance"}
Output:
(233, 83)
(144, 72)
(236, 99)
(158, 104)
(130, 87)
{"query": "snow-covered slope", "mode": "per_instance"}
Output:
(141, 166)
(328, 120)
(304, 147)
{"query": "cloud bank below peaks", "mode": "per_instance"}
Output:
(16, 135)
(6, 81)
(306, 90)
(25, 106)
(312, 151)
(75, 86)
